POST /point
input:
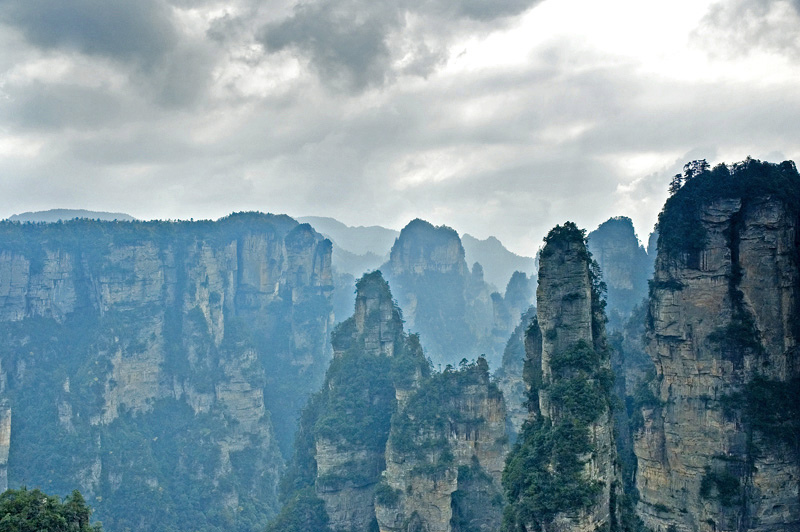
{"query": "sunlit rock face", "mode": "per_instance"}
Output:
(144, 358)
(715, 450)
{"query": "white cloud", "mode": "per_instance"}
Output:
(503, 122)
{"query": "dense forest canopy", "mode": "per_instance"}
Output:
(34, 511)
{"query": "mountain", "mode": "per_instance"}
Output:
(562, 474)
(388, 444)
(361, 249)
(159, 366)
(57, 215)
(718, 426)
(625, 266)
(498, 263)
(358, 240)
(451, 307)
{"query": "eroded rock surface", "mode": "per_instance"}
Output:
(713, 453)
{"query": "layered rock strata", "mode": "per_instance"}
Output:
(717, 446)
(445, 456)
(199, 341)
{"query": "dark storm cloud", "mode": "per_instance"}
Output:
(352, 44)
(126, 30)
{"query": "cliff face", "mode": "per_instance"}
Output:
(140, 359)
(511, 375)
(563, 477)
(445, 456)
(441, 299)
(5, 443)
(717, 450)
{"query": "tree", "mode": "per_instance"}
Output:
(675, 184)
(34, 511)
(694, 168)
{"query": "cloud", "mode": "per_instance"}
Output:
(738, 27)
(223, 111)
(356, 44)
(140, 31)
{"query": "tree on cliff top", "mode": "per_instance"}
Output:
(34, 511)
(679, 227)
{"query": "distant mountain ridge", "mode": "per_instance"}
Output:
(360, 240)
(56, 215)
(499, 263)
(366, 247)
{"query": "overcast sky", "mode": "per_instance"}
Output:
(496, 117)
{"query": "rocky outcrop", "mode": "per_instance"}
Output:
(562, 476)
(198, 340)
(510, 377)
(717, 445)
(349, 453)
(443, 301)
(5, 443)
(445, 456)
(341, 443)
(388, 444)
(625, 266)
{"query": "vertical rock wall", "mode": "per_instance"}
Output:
(563, 475)
(723, 334)
(198, 340)
(445, 456)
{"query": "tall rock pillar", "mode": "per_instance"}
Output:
(563, 477)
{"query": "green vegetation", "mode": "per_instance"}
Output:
(161, 461)
(721, 485)
(359, 401)
(545, 473)
(305, 512)
(421, 429)
(386, 496)
(34, 511)
(771, 408)
(680, 232)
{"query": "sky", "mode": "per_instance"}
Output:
(501, 117)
